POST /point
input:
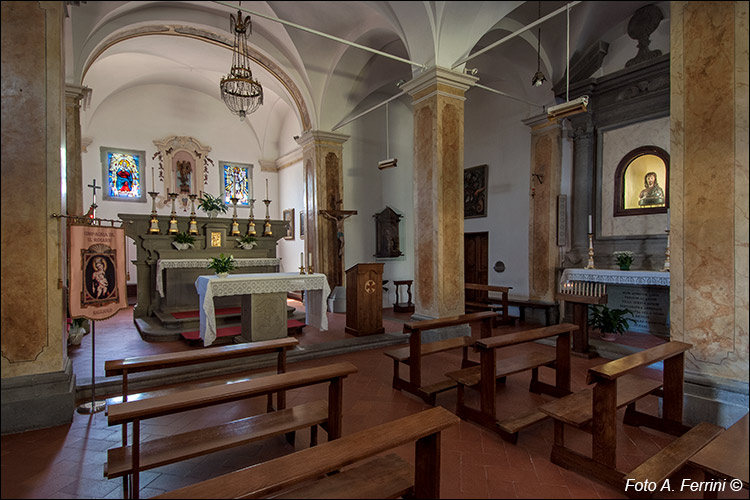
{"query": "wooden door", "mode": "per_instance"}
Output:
(476, 263)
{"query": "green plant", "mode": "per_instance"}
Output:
(209, 203)
(222, 264)
(609, 320)
(78, 322)
(623, 258)
(184, 237)
(248, 238)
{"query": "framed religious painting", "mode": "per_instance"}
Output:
(288, 215)
(475, 192)
(122, 171)
(642, 182)
(302, 224)
(236, 182)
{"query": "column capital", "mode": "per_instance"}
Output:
(268, 166)
(439, 80)
(321, 136)
(74, 94)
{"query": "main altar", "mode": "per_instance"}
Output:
(166, 276)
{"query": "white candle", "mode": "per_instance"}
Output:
(591, 230)
(153, 186)
(266, 188)
(309, 259)
(301, 259)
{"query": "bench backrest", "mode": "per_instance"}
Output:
(261, 480)
(619, 367)
(525, 336)
(487, 288)
(430, 324)
(169, 360)
(224, 393)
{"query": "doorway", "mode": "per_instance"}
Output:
(476, 246)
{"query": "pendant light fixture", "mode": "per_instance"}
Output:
(239, 90)
(539, 78)
(390, 162)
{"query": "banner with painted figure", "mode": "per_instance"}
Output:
(98, 286)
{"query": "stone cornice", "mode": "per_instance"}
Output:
(435, 77)
(319, 136)
(268, 166)
(289, 159)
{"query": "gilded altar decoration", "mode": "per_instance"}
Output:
(215, 238)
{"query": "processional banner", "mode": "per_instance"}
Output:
(98, 286)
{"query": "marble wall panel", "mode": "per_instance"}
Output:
(425, 228)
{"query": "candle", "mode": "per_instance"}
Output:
(266, 188)
(301, 259)
(153, 186)
(591, 230)
(309, 259)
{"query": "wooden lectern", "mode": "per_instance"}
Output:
(364, 299)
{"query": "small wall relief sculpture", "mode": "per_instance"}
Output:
(475, 192)
(387, 234)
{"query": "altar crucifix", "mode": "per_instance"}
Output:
(92, 209)
(338, 216)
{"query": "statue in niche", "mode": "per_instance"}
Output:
(184, 175)
(387, 234)
(652, 193)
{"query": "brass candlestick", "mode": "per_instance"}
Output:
(267, 226)
(154, 222)
(590, 265)
(173, 216)
(235, 226)
(193, 224)
(666, 255)
(251, 220)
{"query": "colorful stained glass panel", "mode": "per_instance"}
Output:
(236, 180)
(123, 174)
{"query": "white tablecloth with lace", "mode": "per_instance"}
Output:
(316, 286)
(163, 264)
(616, 277)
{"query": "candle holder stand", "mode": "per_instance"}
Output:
(173, 216)
(154, 222)
(267, 226)
(193, 229)
(235, 227)
(251, 221)
(590, 265)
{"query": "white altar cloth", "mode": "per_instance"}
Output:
(162, 264)
(616, 277)
(316, 286)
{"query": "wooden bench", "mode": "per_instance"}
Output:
(308, 473)
(491, 369)
(478, 299)
(594, 410)
(550, 308)
(412, 355)
(726, 457)
(130, 460)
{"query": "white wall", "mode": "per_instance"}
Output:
(291, 195)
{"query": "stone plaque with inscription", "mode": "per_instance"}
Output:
(649, 304)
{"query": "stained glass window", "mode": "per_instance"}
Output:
(123, 171)
(236, 179)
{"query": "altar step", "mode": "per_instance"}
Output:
(227, 334)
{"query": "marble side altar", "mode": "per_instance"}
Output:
(645, 293)
(178, 283)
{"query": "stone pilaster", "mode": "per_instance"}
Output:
(438, 95)
(709, 187)
(74, 94)
(322, 158)
(544, 188)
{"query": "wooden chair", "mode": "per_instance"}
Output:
(484, 376)
(478, 299)
(130, 460)
(386, 476)
(412, 355)
(594, 410)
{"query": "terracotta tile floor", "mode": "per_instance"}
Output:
(67, 461)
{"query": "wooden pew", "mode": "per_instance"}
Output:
(522, 303)
(169, 449)
(387, 476)
(594, 410)
(412, 355)
(491, 369)
(726, 457)
(484, 302)
(139, 364)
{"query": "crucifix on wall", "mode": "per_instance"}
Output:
(338, 216)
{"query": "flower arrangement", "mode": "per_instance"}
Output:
(248, 242)
(222, 264)
(623, 258)
(609, 321)
(209, 203)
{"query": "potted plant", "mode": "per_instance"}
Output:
(183, 241)
(247, 242)
(624, 258)
(609, 321)
(211, 205)
(222, 265)
(77, 330)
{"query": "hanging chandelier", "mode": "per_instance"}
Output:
(239, 90)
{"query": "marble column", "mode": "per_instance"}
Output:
(438, 95)
(73, 148)
(709, 186)
(322, 159)
(582, 204)
(37, 380)
(544, 188)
